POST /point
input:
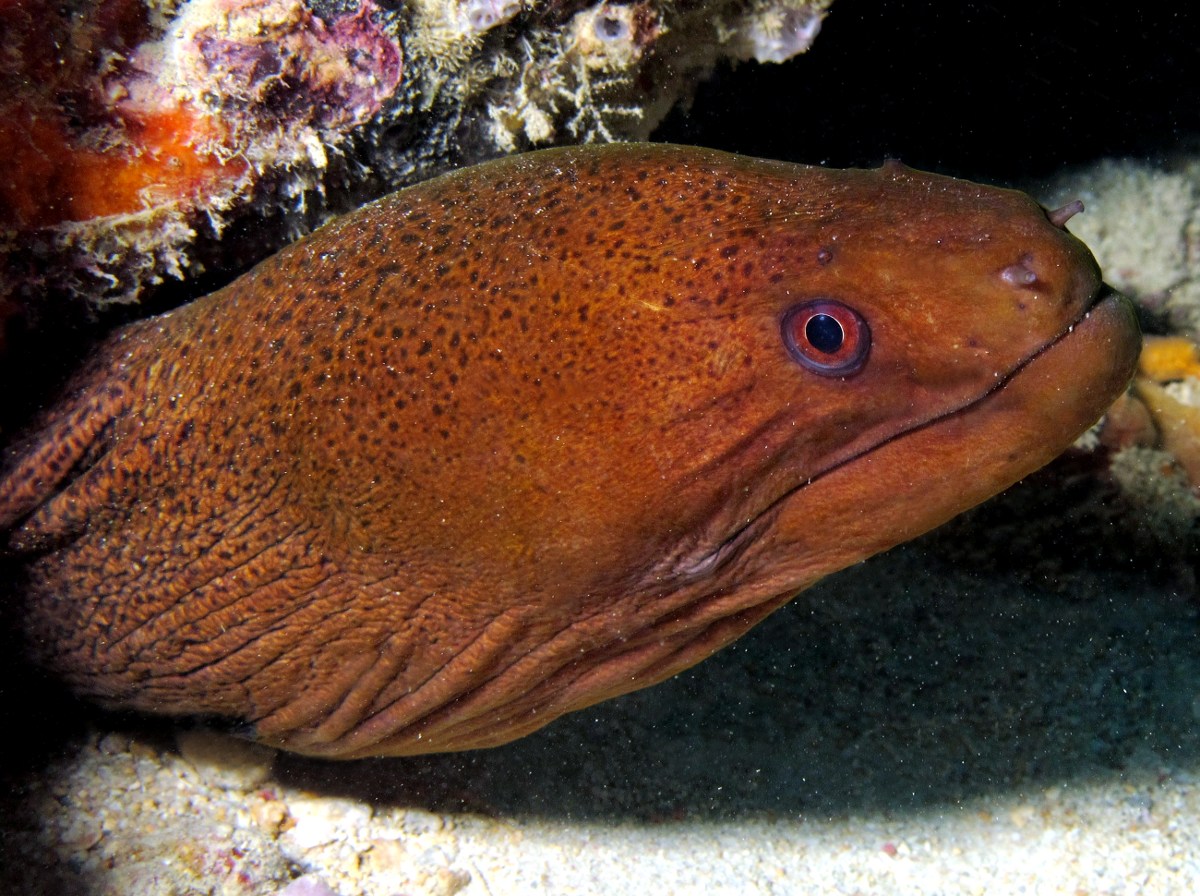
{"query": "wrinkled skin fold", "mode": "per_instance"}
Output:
(538, 433)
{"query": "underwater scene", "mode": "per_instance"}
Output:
(504, 446)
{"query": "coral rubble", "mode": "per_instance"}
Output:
(1143, 223)
(136, 131)
(114, 155)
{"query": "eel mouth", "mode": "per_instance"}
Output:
(1108, 320)
(1104, 294)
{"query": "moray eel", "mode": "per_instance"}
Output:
(541, 432)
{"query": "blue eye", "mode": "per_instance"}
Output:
(827, 337)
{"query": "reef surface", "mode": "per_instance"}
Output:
(147, 140)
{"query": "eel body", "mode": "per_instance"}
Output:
(541, 432)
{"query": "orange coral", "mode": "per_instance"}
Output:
(1152, 416)
(1166, 358)
(122, 123)
(152, 161)
(68, 155)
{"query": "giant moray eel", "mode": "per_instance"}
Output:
(541, 432)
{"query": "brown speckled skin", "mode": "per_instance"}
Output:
(526, 437)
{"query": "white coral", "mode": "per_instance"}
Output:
(448, 32)
(777, 31)
(483, 15)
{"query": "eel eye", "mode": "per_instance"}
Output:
(827, 337)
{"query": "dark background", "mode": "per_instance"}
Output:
(1006, 91)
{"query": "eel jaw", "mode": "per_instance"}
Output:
(977, 449)
(887, 495)
(919, 479)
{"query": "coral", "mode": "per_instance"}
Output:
(1166, 358)
(1142, 222)
(1160, 415)
(578, 82)
(267, 62)
(138, 131)
(191, 114)
(775, 32)
(1127, 424)
(448, 33)
(180, 124)
(1178, 425)
(66, 159)
(1167, 505)
(483, 15)
(308, 885)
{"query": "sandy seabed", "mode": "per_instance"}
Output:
(907, 727)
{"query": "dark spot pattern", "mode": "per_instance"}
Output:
(440, 472)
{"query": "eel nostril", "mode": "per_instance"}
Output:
(1060, 216)
(1020, 272)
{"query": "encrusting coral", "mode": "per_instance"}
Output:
(1166, 395)
(1143, 223)
(161, 119)
(136, 131)
(1152, 436)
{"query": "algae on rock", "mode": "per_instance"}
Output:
(132, 151)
